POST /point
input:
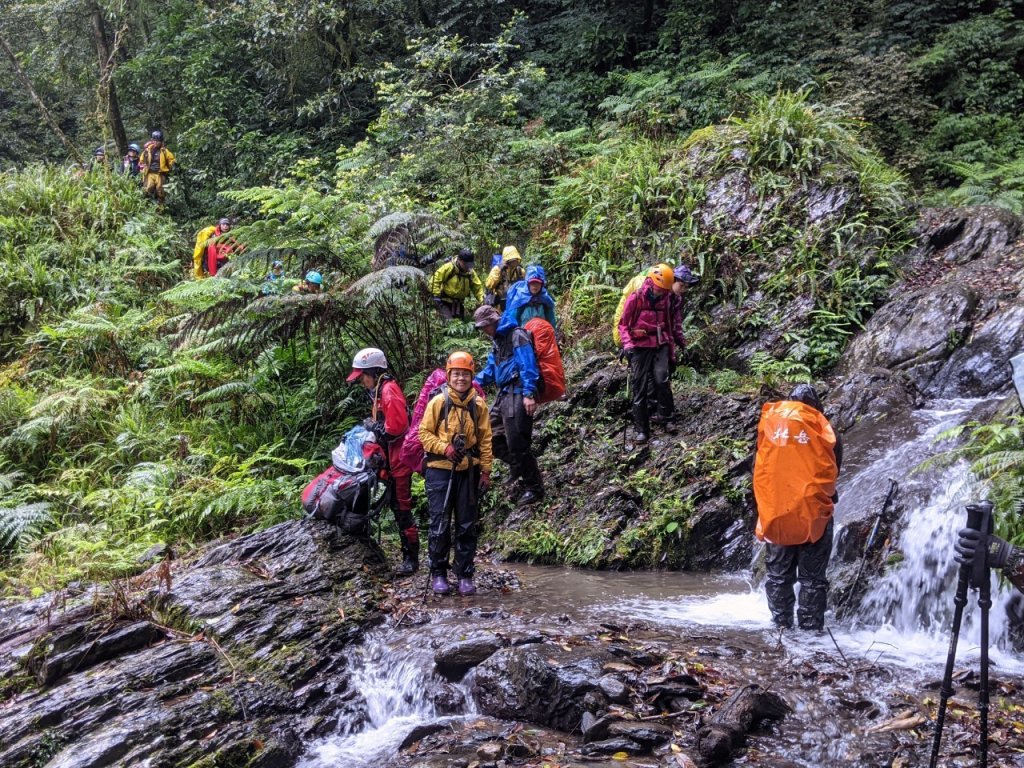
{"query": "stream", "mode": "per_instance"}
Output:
(893, 648)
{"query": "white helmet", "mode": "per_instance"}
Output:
(371, 357)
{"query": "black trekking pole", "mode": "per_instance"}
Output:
(976, 518)
(981, 579)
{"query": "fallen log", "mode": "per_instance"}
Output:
(727, 729)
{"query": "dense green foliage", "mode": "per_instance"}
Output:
(769, 145)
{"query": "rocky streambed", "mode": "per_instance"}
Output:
(291, 647)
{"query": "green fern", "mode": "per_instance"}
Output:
(21, 524)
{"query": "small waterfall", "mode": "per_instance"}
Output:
(396, 680)
(913, 600)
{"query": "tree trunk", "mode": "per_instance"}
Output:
(106, 62)
(39, 102)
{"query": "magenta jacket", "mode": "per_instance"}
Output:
(645, 311)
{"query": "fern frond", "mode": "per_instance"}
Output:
(21, 524)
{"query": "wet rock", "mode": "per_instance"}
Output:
(455, 659)
(960, 235)
(613, 688)
(542, 684)
(490, 751)
(595, 701)
(448, 699)
(253, 640)
(611, 746)
(420, 732)
(594, 728)
(647, 735)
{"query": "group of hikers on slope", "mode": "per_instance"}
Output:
(797, 452)
(153, 163)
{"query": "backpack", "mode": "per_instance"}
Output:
(412, 454)
(341, 493)
(794, 473)
(551, 384)
(631, 287)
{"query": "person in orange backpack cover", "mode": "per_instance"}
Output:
(795, 469)
(389, 422)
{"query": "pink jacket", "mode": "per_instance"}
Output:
(656, 317)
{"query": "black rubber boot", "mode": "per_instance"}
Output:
(641, 423)
(410, 552)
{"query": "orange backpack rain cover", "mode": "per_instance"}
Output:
(794, 473)
(549, 359)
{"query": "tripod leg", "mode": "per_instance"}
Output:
(984, 603)
(959, 601)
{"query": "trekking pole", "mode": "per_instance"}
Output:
(975, 518)
(981, 579)
(893, 487)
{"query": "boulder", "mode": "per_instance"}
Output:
(455, 659)
(542, 684)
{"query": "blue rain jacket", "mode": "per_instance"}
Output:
(521, 305)
(511, 364)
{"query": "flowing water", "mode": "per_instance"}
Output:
(904, 622)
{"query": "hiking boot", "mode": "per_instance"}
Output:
(466, 586)
(529, 497)
(439, 584)
(410, 553)
(640, 437)
(408, 566)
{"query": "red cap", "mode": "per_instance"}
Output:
(356, 373)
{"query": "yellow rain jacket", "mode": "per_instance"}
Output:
(631, 287)
(199, 254)
(166, 159)
(437, 435)
(452, 284)
(509, 271)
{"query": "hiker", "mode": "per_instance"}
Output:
(156, 163)
(1001, 554)
(452, 283)
(130, 163)
(199, 252)
(683, 278)
(219, 247)
(456, 436)
(503, 276)
(529, 298)
(796, 464)
(273, 283)
(99, 158)
(313, 282)
(650, 334)
(389, 422)
(512, 368)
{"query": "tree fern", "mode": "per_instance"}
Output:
(412, 239)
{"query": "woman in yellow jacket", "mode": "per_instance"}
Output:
(456, 436)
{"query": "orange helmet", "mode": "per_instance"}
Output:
(462, 360)
(662, 276)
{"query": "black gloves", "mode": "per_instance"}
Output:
(377, 428)
(968, 543)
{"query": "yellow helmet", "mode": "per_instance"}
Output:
(461, 360)
(662, 276)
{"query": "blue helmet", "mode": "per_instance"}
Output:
(314, 277)
(135, 147)
(99, 152)
(157, 135)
